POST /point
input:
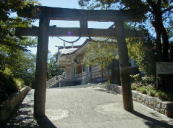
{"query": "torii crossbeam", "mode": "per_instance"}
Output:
(45, 14)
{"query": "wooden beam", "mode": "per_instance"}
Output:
(124, 68)
(41, 68)
(54, 31)
(83, 25)
(77, 14)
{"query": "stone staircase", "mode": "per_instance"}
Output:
(53, 82)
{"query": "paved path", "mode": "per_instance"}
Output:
(87, 107)
(95, 108)
(23, 118)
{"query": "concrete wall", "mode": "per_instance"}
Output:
(164, 107)
(7, 107)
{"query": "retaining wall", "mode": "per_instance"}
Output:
(164, 107)
(8, 106)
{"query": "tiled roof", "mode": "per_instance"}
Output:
(65, 51)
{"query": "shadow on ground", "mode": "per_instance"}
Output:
(107, 91)
(23, 117)
(151, 122)
(44, 122)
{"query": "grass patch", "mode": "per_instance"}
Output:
(149, 90)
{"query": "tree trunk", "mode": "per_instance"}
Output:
(41, 68)
(171, 53)
(161, 35)
(165, 43)
(161, 32)
(124, 66)
(158, 41)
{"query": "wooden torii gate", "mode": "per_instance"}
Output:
(45, 14)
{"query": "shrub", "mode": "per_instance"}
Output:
(150, 90)
(138, 80)
(7, 86)
(19, 83)
(148, 80)
(134, 86)
(162, 95)
(142, 90)
(135, 78)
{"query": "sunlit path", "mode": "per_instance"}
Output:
(87, 107)
(93, 107)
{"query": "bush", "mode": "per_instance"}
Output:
(133, 86)
(148, 80)
(142, 90)
(19, 83)
(150, 90)
(142, 81)
(7, 86)
(135, 78)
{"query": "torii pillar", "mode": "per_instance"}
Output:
(41, 67)
(124, 67)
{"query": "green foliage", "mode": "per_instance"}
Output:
(7, 86)
(100, 53)
(149, 90)
(53, 68)
(164, 96)
(142, 52)
(158, 16)
(24, 67)
(19, 83)
(8, 23)
(14, 55)
(138, 80)
(105, 4)
(148, 80)
(142, 90)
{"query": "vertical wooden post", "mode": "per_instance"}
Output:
(41, 68)
(124, 67)
(83, 24)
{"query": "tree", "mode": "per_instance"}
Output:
(53, 68)
(25, 68)
(16, 64)
(142, 51)
(101, 53)
(8, 23)
(158, 15)
(13, 48)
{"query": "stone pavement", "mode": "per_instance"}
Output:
(93, 107)
(88, 107)
(23, 118)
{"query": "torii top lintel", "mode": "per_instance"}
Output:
(53, 13)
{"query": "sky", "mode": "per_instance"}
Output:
(54, 41)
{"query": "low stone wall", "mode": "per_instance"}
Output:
(164, 107)
(7, 107)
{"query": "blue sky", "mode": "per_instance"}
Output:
(54, 41)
